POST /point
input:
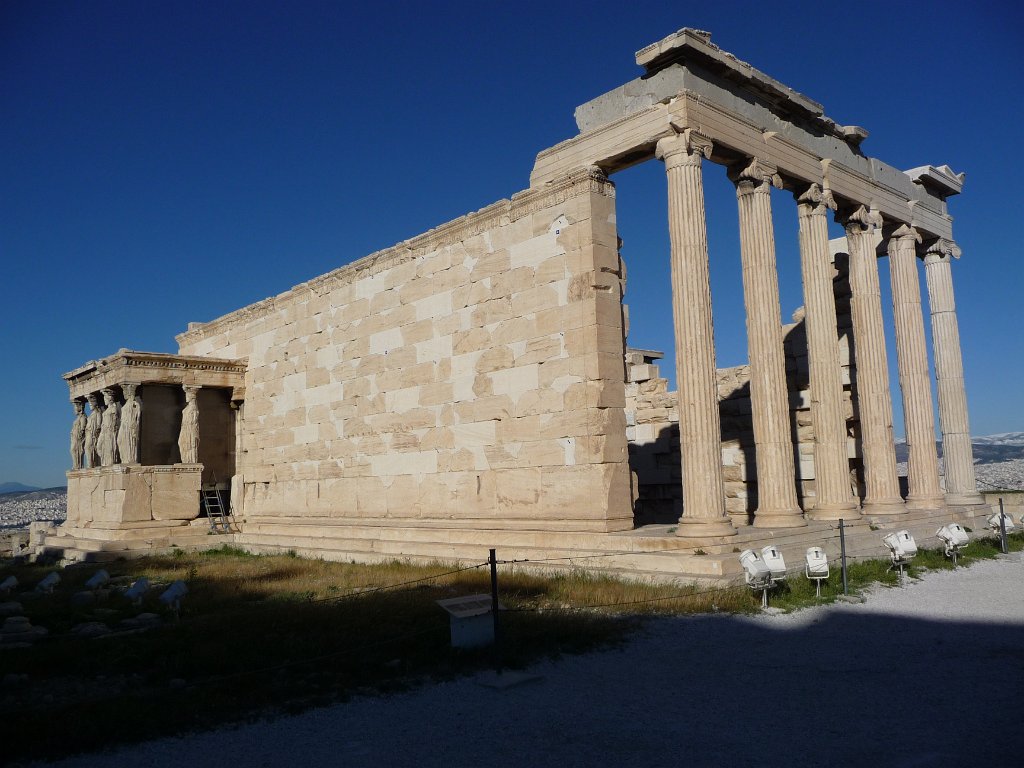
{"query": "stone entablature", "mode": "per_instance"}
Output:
(692, 85)
(132, 367)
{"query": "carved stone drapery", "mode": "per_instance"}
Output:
(128, 431)
(777, 505)
(833, 499)
(92, 431)
(108, 429)
(188, 437)
(700, 431)
(78, 434)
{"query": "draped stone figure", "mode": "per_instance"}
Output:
(92, 431)
(108, 429)
(188, 438)
(78, 434)
(128, 431)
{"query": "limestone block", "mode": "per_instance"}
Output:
(412, 463)
(515, 329)
(473, 340)
(491, 311)
(533, 300)
(541, 400)
(514, 281)
(517, 492)
(175, 495)
(491, 264)
(551, 270)
(419, 331)
(639, 373)
(542, 453)
(470, 295)
(599, 449)
(515, 382)
(371, 497)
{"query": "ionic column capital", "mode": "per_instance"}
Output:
(686, 148)
(904, 232)
(815, 200)
(941, 250)
(754, 175)
(859, 220)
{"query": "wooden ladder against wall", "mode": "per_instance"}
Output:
(213, 505)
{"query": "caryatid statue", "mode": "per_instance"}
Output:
(188, 438)
(92, 431)
(128, 431)
(108, 429)
(78, 428)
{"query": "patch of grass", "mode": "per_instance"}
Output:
(259, 634)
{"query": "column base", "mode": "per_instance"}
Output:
(779, 519)
(965, 499)
(849, 511)
(933, 503)
(887, 508)
(712, 527)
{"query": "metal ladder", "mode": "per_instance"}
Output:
(213, 505)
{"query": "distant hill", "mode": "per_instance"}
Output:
(988, 449)
(16, 488)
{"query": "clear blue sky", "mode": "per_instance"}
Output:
(170, 162)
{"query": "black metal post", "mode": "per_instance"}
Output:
(494, 593)
(1002, 529)
(842, 554)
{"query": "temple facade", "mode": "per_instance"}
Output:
(472, 386)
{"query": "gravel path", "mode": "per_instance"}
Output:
(928, 675)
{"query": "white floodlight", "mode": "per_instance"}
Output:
(953, 536)
(98, 579)
(172, 595)
(757, 573)
(775, 562)
(902, 549)
(8, 584)
(816, 567)
(993, 522)
(137, 591)
(47, 584)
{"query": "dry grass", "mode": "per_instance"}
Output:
(280, 633)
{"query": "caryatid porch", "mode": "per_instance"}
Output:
(696, 103)
(158, 426)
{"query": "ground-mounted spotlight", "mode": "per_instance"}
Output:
(97, 580)
(171, 596)
(137, 591)
(7, 585)
(993, 522)
(902, 549)
(46, 585)
(816, 567)
(757, 574)
(953, 536)
(775, 561)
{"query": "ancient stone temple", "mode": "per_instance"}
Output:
(472, 387)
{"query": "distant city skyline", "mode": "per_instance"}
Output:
(170, 163)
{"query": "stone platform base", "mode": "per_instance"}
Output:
(649, 553)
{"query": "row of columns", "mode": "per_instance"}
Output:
(109, 435)
(699, 427)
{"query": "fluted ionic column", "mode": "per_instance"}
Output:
(874, 402)
(957, 454)
(834, 497)
(924, 491)
(700, 431)
(777, 506)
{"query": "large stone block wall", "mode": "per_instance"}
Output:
(472, 377)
